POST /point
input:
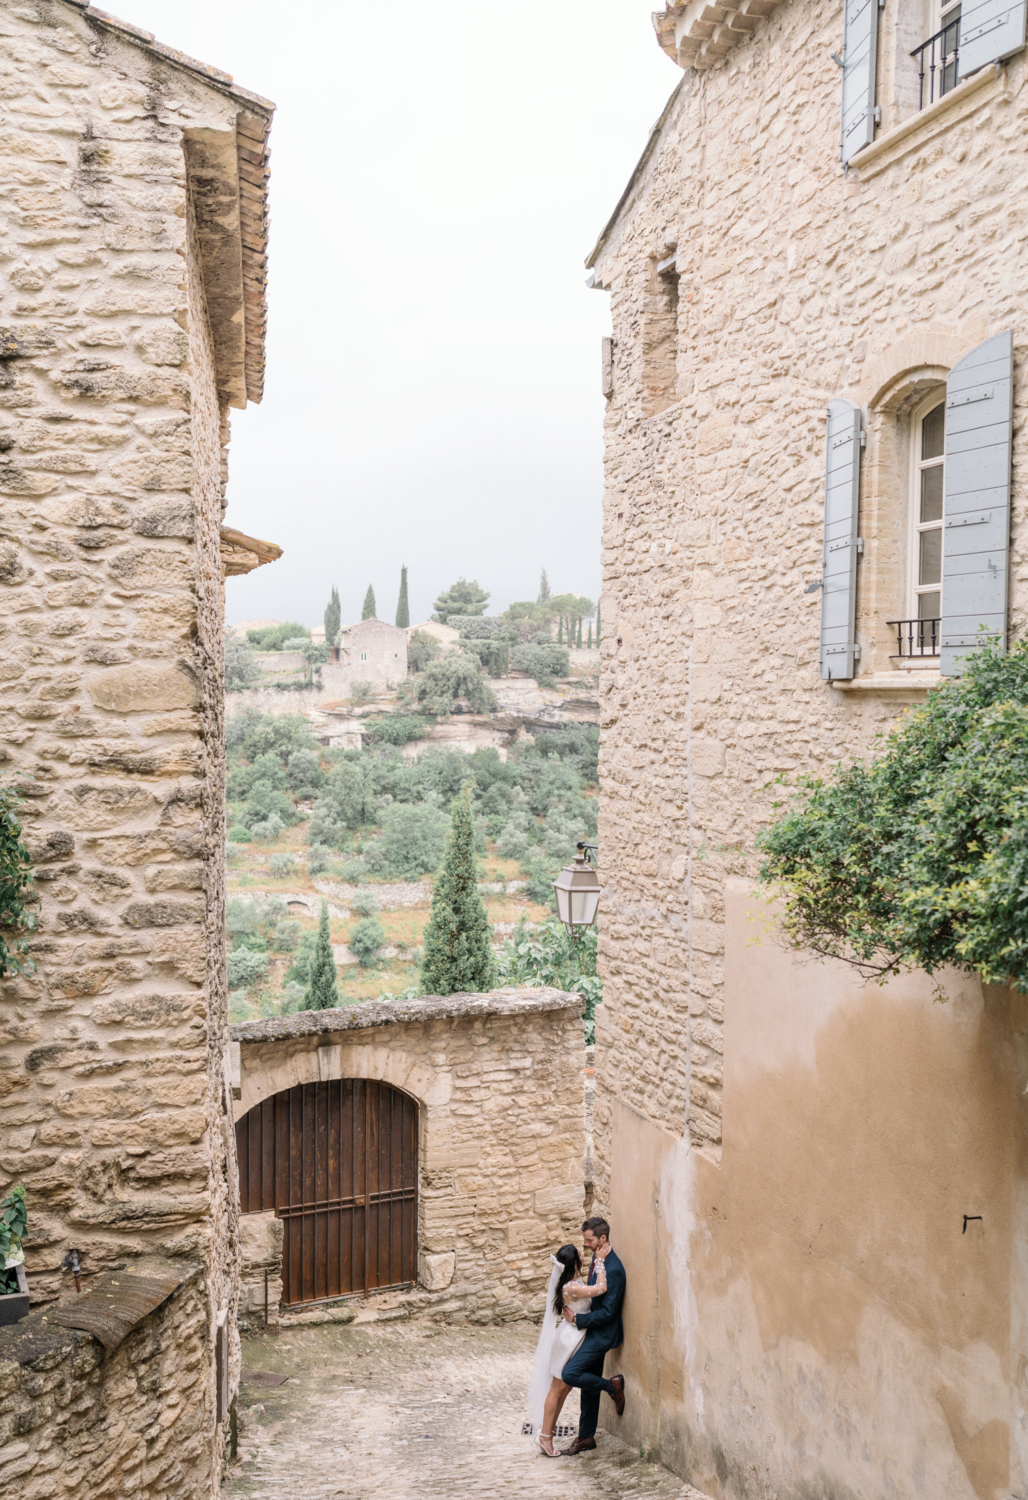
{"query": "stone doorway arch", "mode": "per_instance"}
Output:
(337, 1163)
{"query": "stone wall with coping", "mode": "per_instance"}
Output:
(76, 1419)
(499, 1082)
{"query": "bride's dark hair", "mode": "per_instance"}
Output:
(572, 1263)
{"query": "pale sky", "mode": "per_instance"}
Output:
(439, 174)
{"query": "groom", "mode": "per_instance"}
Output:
(603, 1331)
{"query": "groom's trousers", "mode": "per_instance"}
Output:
(585, 1370)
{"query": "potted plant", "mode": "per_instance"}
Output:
(14, 1288)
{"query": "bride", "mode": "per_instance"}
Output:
(558, 1339)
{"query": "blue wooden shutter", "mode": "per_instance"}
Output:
(839, 560)
(989, 30)
(976, 506)
(859, 56)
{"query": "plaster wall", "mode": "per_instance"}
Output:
(796, 283)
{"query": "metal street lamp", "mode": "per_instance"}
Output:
(578, 890)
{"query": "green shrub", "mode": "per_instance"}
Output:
(239, 835)
(548, 956)
(246, 968)
(399, 729)
(365, 903)
(919, 859)
(274, 637)
(421, 649)
(544, 663)
(454, 678)
(304, 772)
(287, 935)
(366, 941)
(281, 865)
(268, 831)
(412, 842)
(15, 880)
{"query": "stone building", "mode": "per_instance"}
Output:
(132, 239)
(450, 1162)
(794, 1163)
(369, 651)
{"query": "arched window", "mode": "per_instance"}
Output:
(926, 501)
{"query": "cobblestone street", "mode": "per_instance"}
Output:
(405, 1411)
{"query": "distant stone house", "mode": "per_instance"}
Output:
(816, 495)
(372, 651)
(133, 225)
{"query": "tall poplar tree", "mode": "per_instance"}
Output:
(457, 952)
(402, 604)
(321, 992)
(370, 610)
(333, 617)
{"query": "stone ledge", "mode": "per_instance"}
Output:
(373, 1013)
(920, 128)
(891, 682)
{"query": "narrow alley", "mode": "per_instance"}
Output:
(407, 1411)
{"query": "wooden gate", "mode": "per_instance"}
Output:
(338, 1163)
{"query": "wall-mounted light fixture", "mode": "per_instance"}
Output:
(578, 890)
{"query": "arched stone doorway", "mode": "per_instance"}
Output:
(337, 1161)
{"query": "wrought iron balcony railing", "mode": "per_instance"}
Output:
(916, 637)
(937, 63)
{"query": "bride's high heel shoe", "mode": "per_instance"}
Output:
(546, 1450)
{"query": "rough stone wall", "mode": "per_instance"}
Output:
(113, 1107)
(75, 1420)
(386, 648)
(499, 1080)
(796, 284)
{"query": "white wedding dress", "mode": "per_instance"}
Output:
(558, 1340)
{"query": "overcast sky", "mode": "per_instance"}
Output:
(439, 174)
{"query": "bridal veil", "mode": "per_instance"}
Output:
(539, 1385)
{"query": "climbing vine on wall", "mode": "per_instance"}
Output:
(918, 858)
(15, 878)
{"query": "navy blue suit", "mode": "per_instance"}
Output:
(603, 1331)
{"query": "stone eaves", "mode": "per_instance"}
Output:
(234, 239)
(372, 1013)
(241, 553)
(700, 33)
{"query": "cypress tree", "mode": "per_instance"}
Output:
(578, 637)
(590, 635)
(560, 630)
(333, 617)
(321, 992)
(457, 952)
(544, 588)
(370, 608)
(402, 605)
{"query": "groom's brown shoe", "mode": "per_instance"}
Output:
(580, 1445)
(618, 1382)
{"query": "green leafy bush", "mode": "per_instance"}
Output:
(412, 841)
(455, 678)
(287, 935)
(304, 773)
(544, 663)
(365, 903)
(919, 858)
(421, 649)
(366, 941)
(246, 968)
(15, 880)
(547, 956)
(241, 664)
(281, 865)
(274, 637)
(399, 729)
(239, 835)
(14, 1223)
(268, 831)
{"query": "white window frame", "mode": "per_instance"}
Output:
(915, 525)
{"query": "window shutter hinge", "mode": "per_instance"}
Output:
(863, 439)
(878, 114)
(860, 546)
(856, 652)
